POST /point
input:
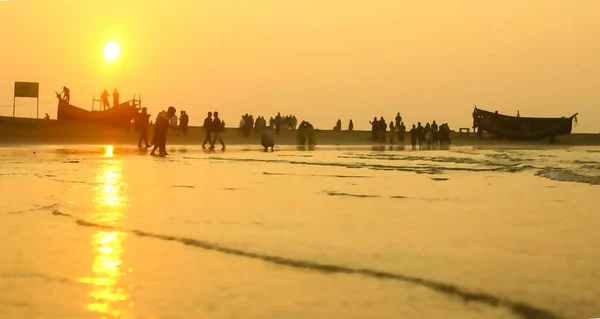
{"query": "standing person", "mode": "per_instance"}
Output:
(278, 123)
(414, 135)
(420, 134)
(207, 130)
(104, 98)
(401, 130)
(160, 131)
(350, 126)
(183, 122)
(67, 94)
(115, 98)
(382, 129)
(398, 120)
(141, 123)
(218, 127)
(392, 133)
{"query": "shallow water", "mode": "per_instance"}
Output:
(92, 232)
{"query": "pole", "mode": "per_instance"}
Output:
(14, 100)
(37, 112)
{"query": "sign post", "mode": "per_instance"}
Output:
(28, 90)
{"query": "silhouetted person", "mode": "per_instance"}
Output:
(414, 136)
(420, 134)
(338, 125)
(160, 131)
(401, 131)
(208, 122)
(278, 122)
(183, 122)
(374, 128)
(435, 132)
(518, 113)
(392, 133)
(47, 117)
(266, 140)
(115, 98)
(350, 126)
(398, 120)
(66, 94)
(141, 123)
(218, 127)
(104, 99)
(382, 129)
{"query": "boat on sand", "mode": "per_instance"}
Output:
(521, 128)
(120, 115)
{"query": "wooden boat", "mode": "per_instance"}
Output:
(121, 115)
(521, 128)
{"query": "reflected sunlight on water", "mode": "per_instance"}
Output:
(108, 151)
(108, 297)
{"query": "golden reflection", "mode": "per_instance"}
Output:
(109, 298)
(108, 150)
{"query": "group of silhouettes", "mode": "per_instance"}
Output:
(213, 126)
(248, 124)
(66, 96)
(421, 136)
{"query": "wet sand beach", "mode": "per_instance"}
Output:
(338, 232)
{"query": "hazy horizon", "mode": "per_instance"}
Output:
(320, 60)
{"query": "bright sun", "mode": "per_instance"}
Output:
(111, 51)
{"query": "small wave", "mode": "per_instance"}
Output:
(317, 175)
(34, 209)
(35, 275)
(333, 193)
(183, 186)
(521, 308)
(230, 189)
(566, 175)
(439, 179)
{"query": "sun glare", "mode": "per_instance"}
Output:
(111, 51)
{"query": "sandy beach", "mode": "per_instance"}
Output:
(93, 232)
(31, 131)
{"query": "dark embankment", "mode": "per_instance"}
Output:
(17, 131)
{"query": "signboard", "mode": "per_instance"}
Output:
(27, 89)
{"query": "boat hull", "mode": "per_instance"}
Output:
(521, 128)
(120, 115)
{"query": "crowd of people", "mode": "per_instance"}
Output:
(381, 131)
(248, 124)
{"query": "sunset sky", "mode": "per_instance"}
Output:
(319, 59)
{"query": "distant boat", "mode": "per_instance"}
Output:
(521, 128)
(120, 115)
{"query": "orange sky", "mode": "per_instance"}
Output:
(319, 59)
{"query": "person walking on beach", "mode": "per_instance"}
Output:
(66, 94)
(141, 123)
(115, 98)
(104, 98)
(207, 130)
(218, 127)
(160, 131)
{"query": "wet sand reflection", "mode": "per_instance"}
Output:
(109, 297)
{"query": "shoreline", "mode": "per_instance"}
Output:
(21, 131)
